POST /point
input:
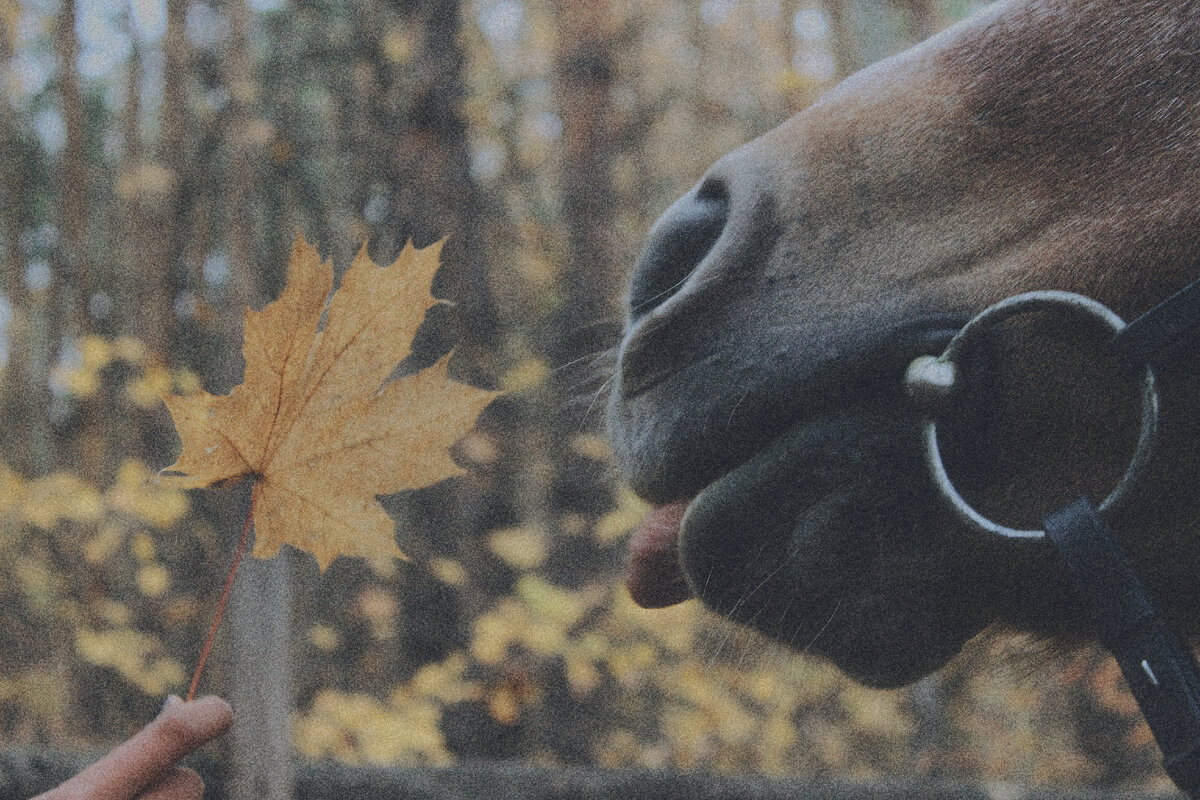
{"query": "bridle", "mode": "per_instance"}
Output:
(1160, 670)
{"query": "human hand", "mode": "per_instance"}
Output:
(145, 767)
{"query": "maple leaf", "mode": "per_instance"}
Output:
(315, 421)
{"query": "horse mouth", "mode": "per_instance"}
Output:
(655, 578)
(788, 524)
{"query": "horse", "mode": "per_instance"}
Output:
(757, 401)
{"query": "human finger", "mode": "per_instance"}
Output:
(139, 762)
(178, 783)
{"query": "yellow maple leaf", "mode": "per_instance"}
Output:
(315, 421)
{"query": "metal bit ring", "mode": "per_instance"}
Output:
(930, 380)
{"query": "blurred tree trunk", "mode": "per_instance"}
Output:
(585, 73)
(131, 161)
(923, 19)
(72, 279)
(107, 421)
(57, 314)
(435, 191)
(427, 173)
(159, 193)
(929, 701)
(787, 23)
(847, 50)
(73, 273)
(243, 278)
(399, 159)
(21, 400)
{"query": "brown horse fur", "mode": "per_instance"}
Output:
(1042, 144)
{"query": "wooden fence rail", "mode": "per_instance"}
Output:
(25, 773)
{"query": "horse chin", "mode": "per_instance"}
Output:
(826, 541)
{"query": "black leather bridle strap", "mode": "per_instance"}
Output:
(1161, 672)
(1165, 336)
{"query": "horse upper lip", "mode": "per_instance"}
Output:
(634, 381)
(673, 455)
(657, 348)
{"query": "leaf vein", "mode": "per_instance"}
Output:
(333, 359)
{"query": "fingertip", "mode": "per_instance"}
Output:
(171, 701)
(212, 713)
(194, 722)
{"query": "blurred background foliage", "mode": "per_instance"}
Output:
(157, 158)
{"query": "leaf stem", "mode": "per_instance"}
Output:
(220, 612)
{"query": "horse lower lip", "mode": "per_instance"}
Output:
(655, 578)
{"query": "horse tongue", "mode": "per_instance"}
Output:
(655, 579)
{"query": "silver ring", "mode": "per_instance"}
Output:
(1040, 301)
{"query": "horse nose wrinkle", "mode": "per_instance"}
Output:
(680, 240)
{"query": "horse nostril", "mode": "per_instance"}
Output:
(678, 242)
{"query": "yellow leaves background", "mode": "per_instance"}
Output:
(675, 685)
(359, 729)
(62, 497)
(114, 530)
(78, 372)
(137, 657)
(673, 688)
